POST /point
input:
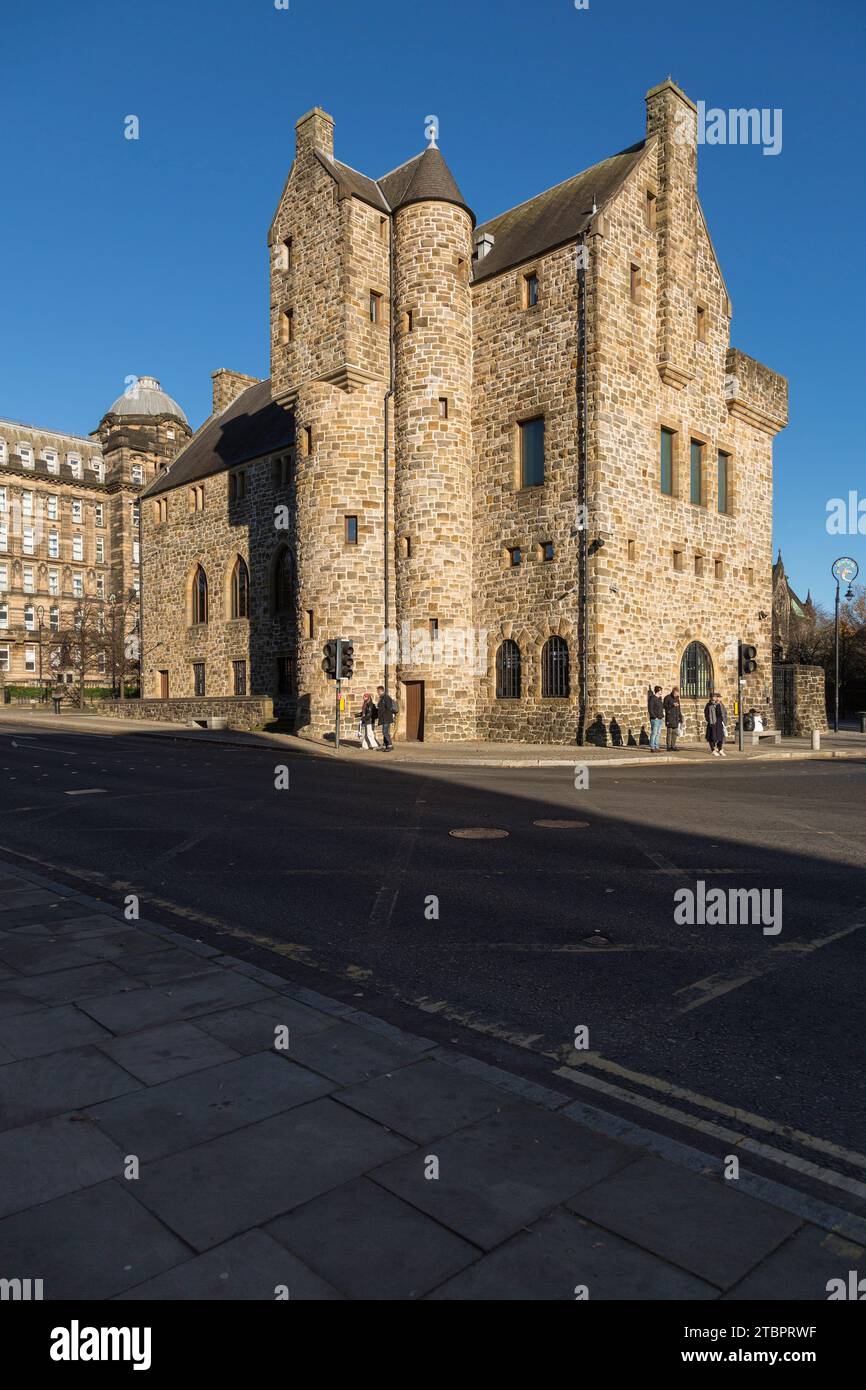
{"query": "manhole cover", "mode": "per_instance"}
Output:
(561, 824)
(479, 832)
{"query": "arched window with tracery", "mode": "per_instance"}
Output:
(199, 596)
(508, 671)
(696, 672)
(240, 589)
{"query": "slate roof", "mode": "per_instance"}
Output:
(556, 217)
(251, 426)
(424, 179)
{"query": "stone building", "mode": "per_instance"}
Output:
(795, 619)
(520, 464)
(69, 524)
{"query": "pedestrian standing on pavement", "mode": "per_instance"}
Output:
(387, 715)
(367, 718)
(673, 718)
(656, 711)
(717, 724)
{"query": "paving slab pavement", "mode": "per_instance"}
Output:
(226, 1135)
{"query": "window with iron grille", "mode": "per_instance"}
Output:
(696, 672)
(508, 671)
(239, 676)
(555, 678)
(198, 677)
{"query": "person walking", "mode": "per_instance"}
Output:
(367, 719)
(673, 718)
(656, 711)
(387, 716)
(717, 724)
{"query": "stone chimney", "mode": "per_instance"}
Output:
(672, 118)
(227, 386)
(315, 131)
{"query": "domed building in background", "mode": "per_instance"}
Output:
(69, 536)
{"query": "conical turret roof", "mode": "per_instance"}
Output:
(425, 179)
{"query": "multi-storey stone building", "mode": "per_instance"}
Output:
(521, 464)
(69, 523)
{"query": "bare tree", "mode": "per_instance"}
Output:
(78, 645)
(122, 637)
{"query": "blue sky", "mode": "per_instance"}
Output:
(124, 257)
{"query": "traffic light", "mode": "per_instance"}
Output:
(347, 660)
(746, 659)
(329, 664)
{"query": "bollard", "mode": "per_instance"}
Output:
(816, 740)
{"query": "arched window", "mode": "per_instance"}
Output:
(199, 596)
(696, 672)
(508, 671)
(281, 582)
(555, 677)
(240, 596)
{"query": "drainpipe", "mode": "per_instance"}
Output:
(389, 395)
(582, 490)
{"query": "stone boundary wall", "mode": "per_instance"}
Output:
(799, 699)
(250, 713)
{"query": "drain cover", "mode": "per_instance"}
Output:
(479, 832)
(561, 824)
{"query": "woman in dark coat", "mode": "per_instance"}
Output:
(367, 719)
(673, 717)
(717, 719)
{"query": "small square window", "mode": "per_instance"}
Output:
(547, 551)
(515, 556)
(351, 531)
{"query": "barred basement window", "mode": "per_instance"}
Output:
(239, 677)
(555, 677)
(508, 671)
(696, 672)
(198, 681)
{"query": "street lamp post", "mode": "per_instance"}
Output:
(845, 571)
(40, 618)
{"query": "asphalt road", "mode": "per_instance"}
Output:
(336, 874)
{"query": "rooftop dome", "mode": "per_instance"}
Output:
(143, 396)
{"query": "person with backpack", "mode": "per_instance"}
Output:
(387, 716)
(656, 712)
(367, 719)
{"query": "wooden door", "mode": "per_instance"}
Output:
(163, 685)
(414, 695)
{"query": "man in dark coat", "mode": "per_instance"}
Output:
(673, 718)
(387, 715)
(656, 711)
(717, 722)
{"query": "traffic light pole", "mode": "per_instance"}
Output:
(337, 684)
(740, 716)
